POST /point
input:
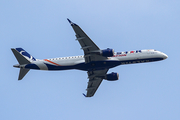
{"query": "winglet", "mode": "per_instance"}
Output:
(71, 22)
(84, 95)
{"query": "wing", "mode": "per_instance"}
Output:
(87, 44)
(90, 49)
(95, 79)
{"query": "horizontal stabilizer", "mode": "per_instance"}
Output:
(84, 95)
(22, 73)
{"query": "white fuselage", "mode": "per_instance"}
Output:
(78, 62)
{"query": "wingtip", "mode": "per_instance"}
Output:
(84, 95)
(71, 22)
(12, 48)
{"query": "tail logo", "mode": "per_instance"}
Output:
(24, 53)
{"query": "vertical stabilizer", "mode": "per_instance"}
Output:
(20, 58)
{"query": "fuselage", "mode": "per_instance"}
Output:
(78, 62)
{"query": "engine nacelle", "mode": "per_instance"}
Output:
(107, 52)
(112, 76)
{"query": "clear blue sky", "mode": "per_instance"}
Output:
(149, 91)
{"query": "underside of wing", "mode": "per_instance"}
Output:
(95, 79)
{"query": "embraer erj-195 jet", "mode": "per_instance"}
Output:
(95, 61)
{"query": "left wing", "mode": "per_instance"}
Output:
(88, 46)
(95, 79)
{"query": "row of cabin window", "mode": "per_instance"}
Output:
(66, 58)
(137, 51)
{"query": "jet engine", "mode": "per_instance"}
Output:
(112, 76)
(107, 52)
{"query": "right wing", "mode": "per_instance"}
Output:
(88, 46)
(95, 79)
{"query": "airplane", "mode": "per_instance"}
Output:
(95, 61)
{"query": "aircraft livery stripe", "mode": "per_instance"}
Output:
(52, 62)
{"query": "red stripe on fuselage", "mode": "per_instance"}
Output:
(51, 62)
(119, 55)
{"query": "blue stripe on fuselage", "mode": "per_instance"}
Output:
(98, 65)
(94, 65)
(32, 66)
(140, 61)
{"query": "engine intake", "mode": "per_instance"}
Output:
(107, 52)
(112, 76)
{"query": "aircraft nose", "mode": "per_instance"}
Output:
(165, 56)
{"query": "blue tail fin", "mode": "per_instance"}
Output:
(25, 54)
(23, 58)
